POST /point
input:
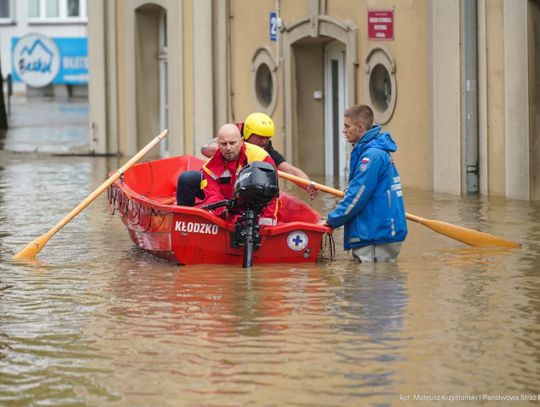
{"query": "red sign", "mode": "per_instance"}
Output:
(380, 24)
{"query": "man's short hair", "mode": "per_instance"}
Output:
(360, 113)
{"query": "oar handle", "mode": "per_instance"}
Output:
(117, 174)
(460, 233)
(308, 183)
(415, 218)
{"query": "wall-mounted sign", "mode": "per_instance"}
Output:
(38, 60)
(380, 24)
(274, 26)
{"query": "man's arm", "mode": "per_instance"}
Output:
(212, 193)
(209, 148)
(358, 191)
(291, 169)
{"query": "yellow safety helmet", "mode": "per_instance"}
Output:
(259, 124)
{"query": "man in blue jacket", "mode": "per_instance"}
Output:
(372, 209)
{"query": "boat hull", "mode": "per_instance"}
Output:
(190, 235)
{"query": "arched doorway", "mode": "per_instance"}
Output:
(151, 74)
(336, 148)
(319, 75)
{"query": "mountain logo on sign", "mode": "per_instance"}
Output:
(37, 58)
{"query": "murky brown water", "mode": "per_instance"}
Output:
(97, 322)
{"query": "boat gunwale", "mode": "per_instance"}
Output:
(187, 210)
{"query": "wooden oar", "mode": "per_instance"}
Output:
(463, 234)
(33, 248)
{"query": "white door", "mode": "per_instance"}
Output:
(163, 84)
(336, 147)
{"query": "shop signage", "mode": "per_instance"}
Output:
(38, 60)
(380, 24)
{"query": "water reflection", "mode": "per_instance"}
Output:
(223, 301)
(95, 321)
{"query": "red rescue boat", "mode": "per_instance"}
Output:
(144, 198)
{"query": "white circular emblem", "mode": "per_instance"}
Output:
(36, 60)
(297, 240)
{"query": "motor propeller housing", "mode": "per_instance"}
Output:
(257, 184)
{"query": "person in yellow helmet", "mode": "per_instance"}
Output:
(258, 129)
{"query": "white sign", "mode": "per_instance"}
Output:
(274, 26)
(36, 60)
(195, 227)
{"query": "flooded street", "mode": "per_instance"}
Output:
(95, 321)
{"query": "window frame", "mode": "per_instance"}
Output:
(263, 56)
(11, 18)
(63, 10)
(379, 57)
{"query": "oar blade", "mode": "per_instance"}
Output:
(460, 233)
(468, 236)
(31, 249)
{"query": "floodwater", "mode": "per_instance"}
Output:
(94, 321)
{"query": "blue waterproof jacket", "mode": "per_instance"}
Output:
(372, 209)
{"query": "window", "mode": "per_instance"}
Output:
(6, 11)
(380, 88)
(53, 11)
(380, 69)
(264, 82)
(263, 85)
(73, 8)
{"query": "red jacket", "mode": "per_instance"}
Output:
(219, 177)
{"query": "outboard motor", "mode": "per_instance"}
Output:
(256, 186)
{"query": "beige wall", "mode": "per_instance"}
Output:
(247, 34)
(534, 69)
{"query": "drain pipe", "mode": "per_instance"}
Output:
(470, 111)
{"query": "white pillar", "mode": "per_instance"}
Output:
(97, 95)
(446, 96)
(516, 95)
(203, 98)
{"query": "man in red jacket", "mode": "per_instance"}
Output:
(258, 129)
(220, 172)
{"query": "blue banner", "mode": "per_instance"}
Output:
(38, 60)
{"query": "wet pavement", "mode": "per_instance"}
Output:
(47, 125)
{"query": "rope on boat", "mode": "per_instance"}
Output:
(330, 242)
(111, 192)
(132, 211)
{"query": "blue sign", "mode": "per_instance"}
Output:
(274, 26)
(38, 60)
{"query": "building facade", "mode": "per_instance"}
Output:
(64, 22)
(455, 81)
